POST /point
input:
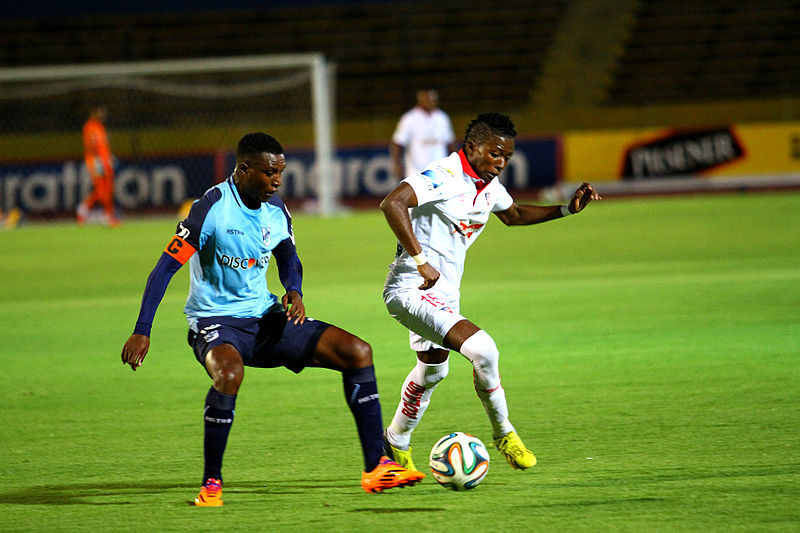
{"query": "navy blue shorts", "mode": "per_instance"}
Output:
(266, 342)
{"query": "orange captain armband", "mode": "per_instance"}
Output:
(179, 249)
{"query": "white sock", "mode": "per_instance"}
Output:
(415, 396)
(482, 352)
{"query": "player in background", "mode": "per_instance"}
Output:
(100, 164)
(11, 219)
(436, 215)
(229, 239)
(423, 134)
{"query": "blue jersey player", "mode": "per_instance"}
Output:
(229, 238)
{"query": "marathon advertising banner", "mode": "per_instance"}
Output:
(760, 149)
(56, 188)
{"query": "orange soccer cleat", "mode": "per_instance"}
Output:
(210, 494)
(387, 475)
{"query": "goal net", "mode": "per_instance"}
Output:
(173, 126)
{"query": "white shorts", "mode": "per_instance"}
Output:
(428, 315)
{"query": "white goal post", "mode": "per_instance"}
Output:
(176, 83)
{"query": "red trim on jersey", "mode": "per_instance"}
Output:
(467, 168)
(480, 185)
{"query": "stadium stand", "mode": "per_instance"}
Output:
(537, 60)
(687, 51)
(479, 54)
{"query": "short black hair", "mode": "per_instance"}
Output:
(257, 143)
(487, 125)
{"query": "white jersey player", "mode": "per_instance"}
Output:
(423, 134)
(436, 215)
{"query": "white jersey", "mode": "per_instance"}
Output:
(425, 137)
(450, 214)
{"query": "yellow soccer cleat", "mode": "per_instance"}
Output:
(210, 494)
(388, 475)
(401, 457)
(515, 452)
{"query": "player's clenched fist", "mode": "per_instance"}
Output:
(134, 350)
(429, 276)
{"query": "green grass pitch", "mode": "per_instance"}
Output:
(650, 351)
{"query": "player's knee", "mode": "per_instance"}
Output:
(482, 351)
(359, 354)
(432, 374)
(226, 369)
(228, 380)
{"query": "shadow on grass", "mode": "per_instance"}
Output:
(401, 510)
(139, 492)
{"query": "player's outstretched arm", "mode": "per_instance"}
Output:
(135, 349)
(525, 215)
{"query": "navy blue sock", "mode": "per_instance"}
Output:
(218, 418)
(361, 393)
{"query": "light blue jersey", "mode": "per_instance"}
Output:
(234, 245)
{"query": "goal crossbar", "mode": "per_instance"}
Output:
(316, 63)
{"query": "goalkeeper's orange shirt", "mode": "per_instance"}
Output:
(97, 151)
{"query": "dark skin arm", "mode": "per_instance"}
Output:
(524, 215)
(395, 208)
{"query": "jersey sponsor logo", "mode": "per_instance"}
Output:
(243, 263)
(466, 230)
(179, 249)
(437, 302)
(234, 231)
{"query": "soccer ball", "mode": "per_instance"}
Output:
(459, 461)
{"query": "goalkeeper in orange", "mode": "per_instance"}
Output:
(100, 164)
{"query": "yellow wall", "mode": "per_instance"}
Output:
(769, 148)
